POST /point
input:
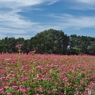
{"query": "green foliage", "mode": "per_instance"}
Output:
(81, 45)
(51, 41)
(32, 75)
(10, 90)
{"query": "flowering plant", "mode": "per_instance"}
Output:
(32, 52)
(19, 47)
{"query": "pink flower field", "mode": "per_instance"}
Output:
(46, 74)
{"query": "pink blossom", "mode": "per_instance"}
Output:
(8, 76)
(2, 90)
(41, 77)
(2, 78)
(50, 71)
(6, 87)
(15, 87)
(41, 88)
(18, 45)
(54, 90)
(22, 89)
(21, 86)
(40, 67)
(37, 94)
(28, 88)
(23, 79)
(9, 93)
(32, 52)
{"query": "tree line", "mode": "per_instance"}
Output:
(50, 41)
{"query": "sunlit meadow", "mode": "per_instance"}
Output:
(47, 74)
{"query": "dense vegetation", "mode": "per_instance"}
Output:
(47, 74)
(51, 41)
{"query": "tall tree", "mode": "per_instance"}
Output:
(50, 41)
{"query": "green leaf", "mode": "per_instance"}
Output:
(10, 90)
(32, 75)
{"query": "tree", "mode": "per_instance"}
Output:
(50, 41)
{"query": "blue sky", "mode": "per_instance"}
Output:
(26, 18)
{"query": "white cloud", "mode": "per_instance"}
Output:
(14, 20)
(82, 4)
(22, 3)
(16, 25)
(67, 21)
(13, 23)
(86, 1)
(52, 2)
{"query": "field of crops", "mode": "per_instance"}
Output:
(46, 74)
